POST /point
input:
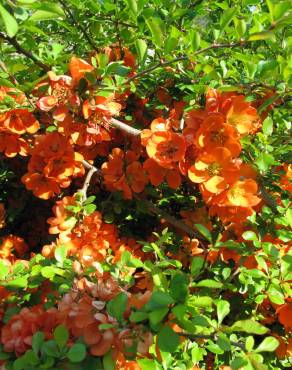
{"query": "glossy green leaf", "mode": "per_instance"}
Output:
(167, 340)
(269, 344)
(223, 309)
(77, 352)
(9, 21)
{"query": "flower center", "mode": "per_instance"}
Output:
(214, 169)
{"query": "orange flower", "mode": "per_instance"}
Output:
(284, 313)
(213, 132)
(19, 121)
(51, 165)
(229, 214)
(98, 113)
(11, 245)
(242, 116)
(89, 240)
(41, 186)
(12, 144)
(63, 222)
(16, 335)
(243, 194)
(285, 346)
(124, 173)
(122, 364)
(213, 169)
(13, 93)
(61, 97)
(78, 68)
(158, 174)
(165, 147)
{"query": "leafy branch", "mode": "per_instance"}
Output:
(21, 50)
(78, 25)
(162, 64)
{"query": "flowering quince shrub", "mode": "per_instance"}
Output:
(145, 175)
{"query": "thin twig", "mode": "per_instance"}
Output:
(203, 336)
(124, 127)
(90, 173)
(11, 77)
(267, 197)
(12, 41)
(183, 58)
(171, 219)
(79, 25)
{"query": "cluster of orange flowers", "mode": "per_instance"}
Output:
(200, 148)
(86, 237)
(52, 164)
(81, 311)
(15, 123)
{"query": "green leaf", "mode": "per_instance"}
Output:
(60, 253)
(117, 306)
(223, 309)
(156, 316)
(61, 335)
(133, 6)
(77, 352)
(264, 161)
(168, 340)
(204, 231)
(108, 362)
(269, 344)
(249, 343)
(282, 8)
(4, 270)
(268, 126)
(214, 348)
(155, 26)
(50, 349)
(178, 287)
(226, 18)
(200, 301)
(158, 300)
(138, 316)
(265, 35)
(42, 15)
(173, 39)
(141, 48)
(209, 283)
(250, 235)
(147, 364)
(89, 208)
(48, 272)
(9, 21)
(249, 326)
(197, 265)
(197, 353)
(240, 27)
(195, 40)
(20, 282)
(37, 341)
(31, 358)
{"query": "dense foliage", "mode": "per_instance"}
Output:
(145, 175)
